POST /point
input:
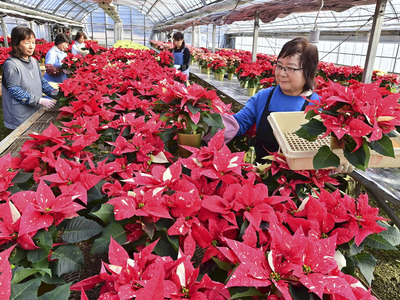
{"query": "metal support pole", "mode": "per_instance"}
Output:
(214, 35)
(374, 40)
(131, 18)
(118, 31)
(255, 36)
(105, 28)
(395, 59)
(4, 29)
(144, 30)
(207, 38)
(91, 25)
(193, 37)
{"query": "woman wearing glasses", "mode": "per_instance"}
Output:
(295, 77)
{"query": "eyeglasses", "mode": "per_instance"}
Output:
(288, 70)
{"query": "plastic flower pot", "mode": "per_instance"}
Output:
(251, 91)
(230, 76)
(187, 139)
(205, 70)
(219, 76)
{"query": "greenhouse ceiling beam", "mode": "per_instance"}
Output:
(197, 14)
(32, 14)
(181, 5)
(224, 13)
(374, 40)
(167, 7)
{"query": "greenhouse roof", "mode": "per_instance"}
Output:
(181, 14)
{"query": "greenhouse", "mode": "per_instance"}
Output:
(200, 149)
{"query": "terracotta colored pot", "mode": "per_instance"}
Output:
(193, 140)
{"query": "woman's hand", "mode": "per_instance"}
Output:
(48, 103)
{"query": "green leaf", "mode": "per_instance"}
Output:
(69, 257)
(80, 229)
(105, 213)
(214, 121)
(310, 114)
(59, 293)
(391, 234)
(37, 255)
(325, 158)
(167, 245)
(20, 273)
(114, 230)
(52, 279)
(384, 146)
(301, 293)
(18, 256)
(354, 249)
(349, 269)
(366, 263)
(377, 241)
(250, 292)
(311, 130)
(22, 177)
(25, 291)
(358, 158)
(222, 264)
(192, 109)
(149, 229)
(95, 193)
(43, 239)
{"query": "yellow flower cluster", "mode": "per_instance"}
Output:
(130, 45)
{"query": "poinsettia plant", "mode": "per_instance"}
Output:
(219, 66)
(358, 116)
(191, 109)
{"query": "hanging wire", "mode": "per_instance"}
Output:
(351, 35)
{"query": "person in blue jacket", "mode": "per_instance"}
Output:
(295, 73)
(54, 58)
(181, 53)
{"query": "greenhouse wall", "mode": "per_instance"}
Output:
(343, 53)
(136, 27)
(40, 30)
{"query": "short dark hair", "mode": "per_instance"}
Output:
(19, 34)
(80, 34)
(178, 36)
(61, 38)
(308, 59)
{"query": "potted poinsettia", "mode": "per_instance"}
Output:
(232, 62)
(219, 68)
(189, 112)
(249, 76)
(358, 118)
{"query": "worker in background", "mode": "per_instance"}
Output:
(181, 54)
(79, 46)
(54, 58)
(22, 82)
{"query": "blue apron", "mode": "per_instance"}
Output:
(265, 139)
(178, 60)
